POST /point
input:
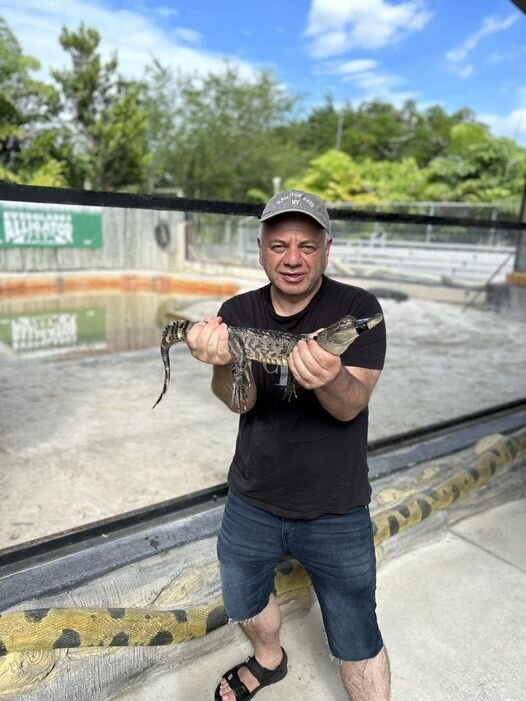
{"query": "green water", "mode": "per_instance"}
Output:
(73, 325)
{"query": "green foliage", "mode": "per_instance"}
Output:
(109, 121)
(160, 105)
(336, 177)
(225, 136)
(379, 131)
(477, 167)
(259, 196)
(27, 108)
(317, 132)
(48, 175)
(394, 181)
(8, 176)
(218, 136)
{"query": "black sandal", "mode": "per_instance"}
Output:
(264, 676)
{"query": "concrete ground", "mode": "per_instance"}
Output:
(452, 614)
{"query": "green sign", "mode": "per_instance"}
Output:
(56, 332)
(49, 226)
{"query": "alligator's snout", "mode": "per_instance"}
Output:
(368, 323)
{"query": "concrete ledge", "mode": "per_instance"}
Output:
(420, 504)
(126, 281)
(516, 278)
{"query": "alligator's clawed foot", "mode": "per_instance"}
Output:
(290, 390)
(239, 397)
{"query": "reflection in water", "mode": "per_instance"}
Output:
(56, 333)
(80, 324)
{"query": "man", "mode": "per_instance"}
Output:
(298, 480)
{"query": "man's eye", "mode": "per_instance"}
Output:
(278, 248)
(308, 249)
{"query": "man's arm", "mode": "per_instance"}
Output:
(342, 391)
(208, 342)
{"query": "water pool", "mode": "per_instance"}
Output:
(84, 324)
(80, 442)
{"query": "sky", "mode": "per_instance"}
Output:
(456, 53)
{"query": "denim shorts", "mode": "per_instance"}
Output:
(337, 552)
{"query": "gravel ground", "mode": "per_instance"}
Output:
(80, 442)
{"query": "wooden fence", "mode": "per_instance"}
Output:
(132, 239)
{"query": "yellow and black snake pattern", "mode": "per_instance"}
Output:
(54, 628)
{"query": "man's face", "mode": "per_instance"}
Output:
(294, 253)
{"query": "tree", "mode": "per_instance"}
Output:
(394, 181)
(318, 131)
(337, 178)
(378, 131)
(432, 132)
(160, 107)
(477, 167)
(109, 120)
(30, 148)
(219, 135)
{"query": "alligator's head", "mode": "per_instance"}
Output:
(337, 337)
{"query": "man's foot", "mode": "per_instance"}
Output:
(250, 676)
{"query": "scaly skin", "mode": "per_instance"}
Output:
(265, 346)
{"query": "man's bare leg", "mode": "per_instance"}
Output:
(367, 680)
(263, 632)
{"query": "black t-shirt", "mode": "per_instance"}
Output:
(294, 459)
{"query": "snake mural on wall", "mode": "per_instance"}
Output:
(55, 628)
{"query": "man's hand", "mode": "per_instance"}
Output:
(208, 341)
(342, 391)
(312, 366)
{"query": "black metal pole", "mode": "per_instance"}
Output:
(520, 256)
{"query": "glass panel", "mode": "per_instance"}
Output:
(80, 366)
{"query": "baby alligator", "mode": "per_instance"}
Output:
(266, 346)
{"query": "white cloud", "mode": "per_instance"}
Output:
(359, 65)
(496, 57)
(510, 55)
(513, 124)
(490, 25)
(375, 83)
(336, 26)
(135, 35)
(369, 79)
(164, 11)
(465, 71)
(190, 36)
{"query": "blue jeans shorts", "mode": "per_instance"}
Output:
(337, 552)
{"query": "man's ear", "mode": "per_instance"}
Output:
(328, 245)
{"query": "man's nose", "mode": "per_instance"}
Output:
(293, 256)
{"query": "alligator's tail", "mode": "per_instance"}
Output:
(173, 333)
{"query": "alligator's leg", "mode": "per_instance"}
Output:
(290, 389)
(240, 372)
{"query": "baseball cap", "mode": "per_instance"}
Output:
(298, 201)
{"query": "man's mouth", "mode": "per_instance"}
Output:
(293, 277)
